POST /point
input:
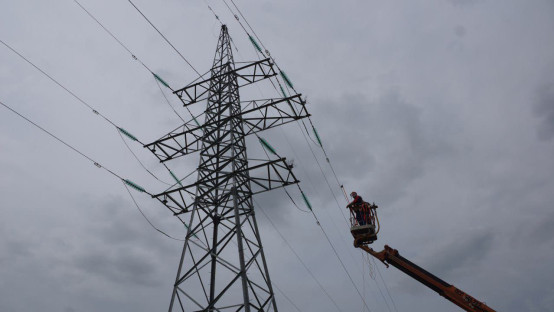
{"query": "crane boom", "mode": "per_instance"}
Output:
(455, 295)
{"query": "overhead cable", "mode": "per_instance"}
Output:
(266, 147)
(157, 78)
(286, 297)
(342, 236)
(212, 10)
(112, 35)
(386, 287)
(319, 141)
(289, 84)
(324, 177)
(169, 103)
(299, 258)
(125, 182)
(148, 220)
(59, 84)
(96, 112)
(140, 162)
(164, 37)
(284, 76)
(340, 260)
(97, 164)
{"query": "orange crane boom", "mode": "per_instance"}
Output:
(455, 295)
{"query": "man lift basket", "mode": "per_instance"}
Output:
(364, 224)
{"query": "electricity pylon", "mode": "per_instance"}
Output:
(223, 266)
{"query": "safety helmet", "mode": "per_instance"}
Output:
(353, 194)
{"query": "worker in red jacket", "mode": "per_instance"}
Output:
(356, 206)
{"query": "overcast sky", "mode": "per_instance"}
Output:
(441, 112)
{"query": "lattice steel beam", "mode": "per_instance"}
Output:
(257, 115)
(265, 177)
(245, 75)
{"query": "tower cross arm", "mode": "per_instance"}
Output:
(257, 115)
(264, 177)
(182, 141)
(271, 175)
(247, 74)
(260, 115)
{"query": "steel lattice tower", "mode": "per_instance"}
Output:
(223, 266)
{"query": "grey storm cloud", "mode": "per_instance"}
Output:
(460, 31)
(390, 135)
(543, 231)
(441, 113)
(462, 3)
(544, 110)
(465, 251)
(124, 266)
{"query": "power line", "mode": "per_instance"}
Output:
(377, 284)
(212, 10)
(171, 106)
(97, 164)
(363, 259)
(96, 112)
(363, 263)
(338, 257)
(248, 34)
(284, 188)
(236, 17)
(139, 141)
(268, 54)
(169, 103)
(246, 31)
(286, 297)
(340, 260)
(298, 257)
(318, 223)
(246, 21)
(166, 40)
(331, 190)
(331, 244)
(146, 218)
(310, 120)
(59, 84)
(313, 154)
(112, 35)
(386, 287)
(180, 180)
(286, 86)
(140, 162)
(363, 278)
(200, 75)
(119, 129)
(324, 176)
(156, 77)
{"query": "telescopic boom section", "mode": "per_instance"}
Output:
(455, 295)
